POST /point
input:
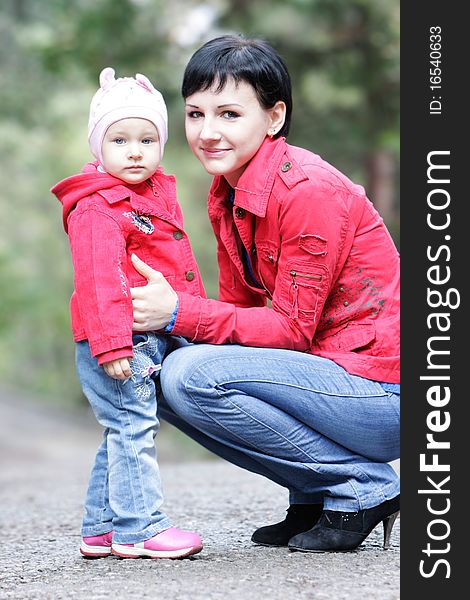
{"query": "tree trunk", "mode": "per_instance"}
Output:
(380, 173)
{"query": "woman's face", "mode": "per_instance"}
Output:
(225, 129)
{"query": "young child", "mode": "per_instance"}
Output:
(121, 204)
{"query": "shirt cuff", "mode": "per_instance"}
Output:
(115, 354)
(171, 324)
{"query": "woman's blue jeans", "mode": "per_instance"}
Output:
(124, 492)
(300, 420)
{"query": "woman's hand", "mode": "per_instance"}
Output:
(154, 303)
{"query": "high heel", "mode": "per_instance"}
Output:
(344, 531)
(388, 523)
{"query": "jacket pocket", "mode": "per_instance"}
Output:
(352, 337)
(142, 282)
(307, 284)
(138, 283)
(140, 339)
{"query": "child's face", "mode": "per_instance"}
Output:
(225, 129)
(131, 150)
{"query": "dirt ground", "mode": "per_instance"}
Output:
(45, 456)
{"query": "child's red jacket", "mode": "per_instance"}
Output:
(107, 222)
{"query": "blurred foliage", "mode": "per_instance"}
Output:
(343, 56)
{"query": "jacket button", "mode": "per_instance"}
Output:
(240, 212)
(341, 289)
(189, 275)
(286, 166)
(177, 235)
(346, 303)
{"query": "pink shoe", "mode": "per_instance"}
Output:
(170, 543)
(97, 546)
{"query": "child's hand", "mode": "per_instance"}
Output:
(119, 368)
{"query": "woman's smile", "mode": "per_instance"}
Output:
(215, 152)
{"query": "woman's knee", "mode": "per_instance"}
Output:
(178, 368)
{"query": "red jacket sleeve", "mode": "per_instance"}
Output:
(99, 260)
(305, 270)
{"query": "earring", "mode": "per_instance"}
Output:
(271, 133)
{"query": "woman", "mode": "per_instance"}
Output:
(304, 391)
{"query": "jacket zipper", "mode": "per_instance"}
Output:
(295, 274)
(295, 299)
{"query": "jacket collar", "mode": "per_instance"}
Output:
(255, 185)
(142, 195)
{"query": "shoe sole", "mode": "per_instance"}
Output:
(94, 551)
(266, 545)
(126, 552)
(298, 549)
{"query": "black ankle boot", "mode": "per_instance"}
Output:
(342, 531)
(300, 517)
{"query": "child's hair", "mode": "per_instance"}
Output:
(125, 98)
(251, 60)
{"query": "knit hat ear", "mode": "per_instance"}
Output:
(144, 81)
(106, 77)
(125, 98)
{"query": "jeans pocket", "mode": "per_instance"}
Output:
(140, 339)
(145, 364)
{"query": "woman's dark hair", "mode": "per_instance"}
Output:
(251, 60)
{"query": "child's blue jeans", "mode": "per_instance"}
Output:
(125, 492)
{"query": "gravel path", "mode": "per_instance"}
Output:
(45, 457)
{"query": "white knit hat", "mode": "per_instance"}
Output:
(125, 98)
